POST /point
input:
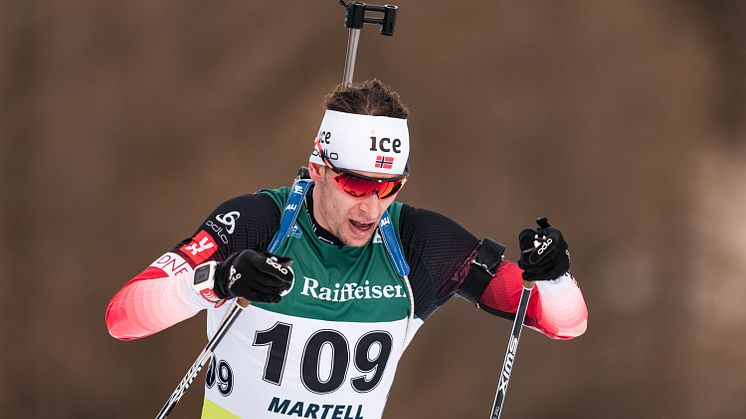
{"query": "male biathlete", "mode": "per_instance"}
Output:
(335, 303)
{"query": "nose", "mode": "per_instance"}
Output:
(371, 206)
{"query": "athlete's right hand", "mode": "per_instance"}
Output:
(260, 277)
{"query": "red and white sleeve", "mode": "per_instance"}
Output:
(556, 308)
(161, 296)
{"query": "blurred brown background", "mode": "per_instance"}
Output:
(122, 124)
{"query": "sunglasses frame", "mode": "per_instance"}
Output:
(339, 171)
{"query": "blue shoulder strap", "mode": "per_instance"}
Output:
(386, 228)
(290, 214)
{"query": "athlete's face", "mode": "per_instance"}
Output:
(352, 220)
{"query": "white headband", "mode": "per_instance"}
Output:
(378, 144)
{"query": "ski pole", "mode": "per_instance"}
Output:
(515, 335)
(202, 359)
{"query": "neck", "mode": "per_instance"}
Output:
(318, 224)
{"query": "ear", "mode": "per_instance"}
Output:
(314, 169)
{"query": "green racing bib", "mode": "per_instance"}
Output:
(329, 349)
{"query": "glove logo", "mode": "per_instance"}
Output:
(544, 246)
(233, 276)
(229, 220)
(272, 261)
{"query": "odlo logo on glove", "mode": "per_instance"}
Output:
(255, 276)
(543, 245)
(544, 253)
(272, 261)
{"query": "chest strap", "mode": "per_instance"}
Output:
(386, 228)
(290, 212)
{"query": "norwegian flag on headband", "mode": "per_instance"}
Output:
(384, 162)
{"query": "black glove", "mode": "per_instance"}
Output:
(544, 253)
(259, 277)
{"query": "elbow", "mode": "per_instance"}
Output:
(557, 331)
(117, 323)
(116, 335)
(113, 325)
(119, 332)
(562, 313)
(567, 333)
(579, 330)
(566, 324)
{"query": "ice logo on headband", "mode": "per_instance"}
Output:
(378, 144)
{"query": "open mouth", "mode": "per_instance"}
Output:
(361, 228)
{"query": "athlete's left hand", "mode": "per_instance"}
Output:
(544, 252)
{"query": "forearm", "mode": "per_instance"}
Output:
(556, 308)
(560, 310)
(159, 297)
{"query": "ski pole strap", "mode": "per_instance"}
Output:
(290, 212)
(386, 229)
(483, 269)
